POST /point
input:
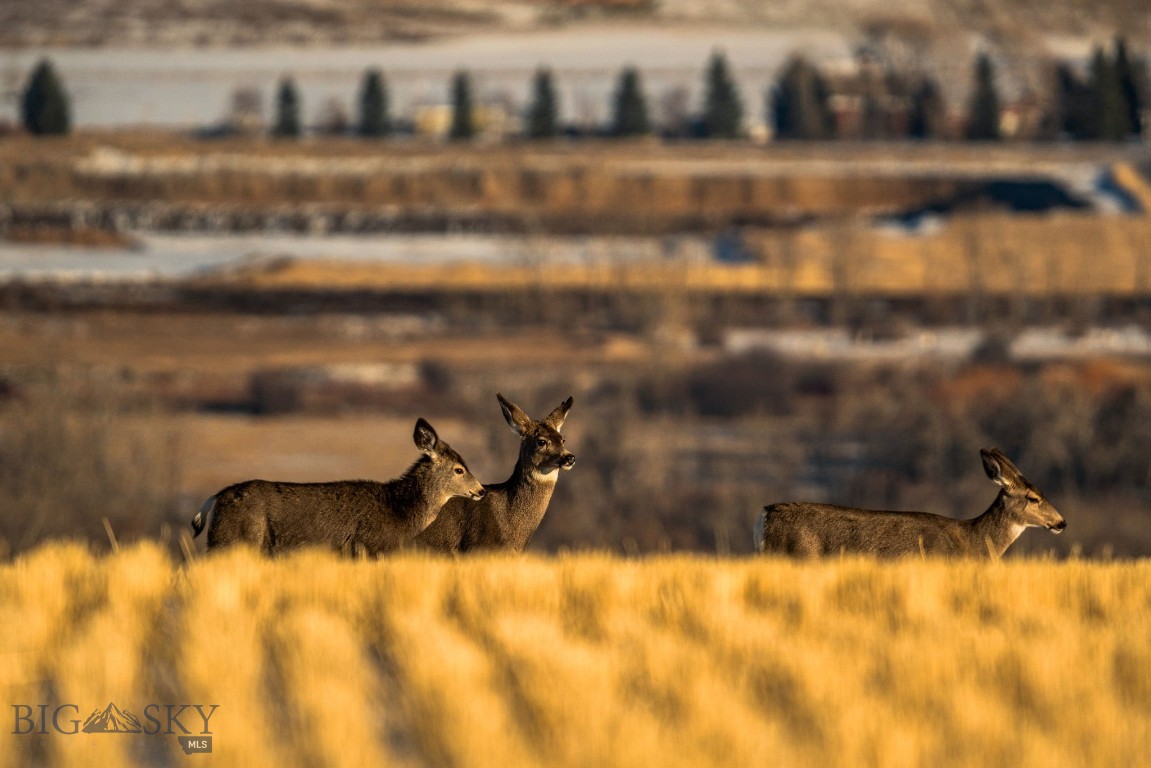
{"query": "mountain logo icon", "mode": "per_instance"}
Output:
(112, 720)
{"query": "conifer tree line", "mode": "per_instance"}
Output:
(1106, 102)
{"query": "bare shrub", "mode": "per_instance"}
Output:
(66, 463)
(756, 383)
(335, 388)
(246, 111)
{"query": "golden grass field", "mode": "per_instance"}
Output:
(584, 659)
(996, 254)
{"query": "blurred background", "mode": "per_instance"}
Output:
(821, 251)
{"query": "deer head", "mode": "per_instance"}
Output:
(542, 448)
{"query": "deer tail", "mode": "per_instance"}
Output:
(760, 524)
(204, 516)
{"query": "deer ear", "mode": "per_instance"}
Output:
(556, 418)
(997, 467)
(519, 421)
(425, 437)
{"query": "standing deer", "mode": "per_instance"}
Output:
(353, 516)
(810, 530)
(509, 513)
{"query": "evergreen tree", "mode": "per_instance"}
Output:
(983, 113)
(463, 127)
(722, 110)
(287, 124)
(630, 117)
(928, 112)
(44, 107)
(375, 121)
(1129, 86)
(1110, 106)
(1075, 102)
(798, 103)
(543, 117)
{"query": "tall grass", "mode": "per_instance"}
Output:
(585, 659)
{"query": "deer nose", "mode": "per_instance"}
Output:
(567, 461)
(477, 495)
(1058, 527)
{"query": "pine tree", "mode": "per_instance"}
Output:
(1110, 104)
(928, 111)
(374, 121)
(630, 116)
(983, 112)
(463, 127)
(1075, 101)
(44, 107)
(722, 111)
(1129, 85)
(287, 124)
(542, 117)
(798, 103)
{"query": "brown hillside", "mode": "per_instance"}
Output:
(295, 22)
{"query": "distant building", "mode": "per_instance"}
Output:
(493, 121)
(1023, 118)
(245, 115)
(868, 101)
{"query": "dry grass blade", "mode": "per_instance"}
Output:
(589, 659)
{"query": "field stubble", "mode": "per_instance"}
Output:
(586, 659)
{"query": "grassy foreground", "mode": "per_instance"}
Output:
(582, 660)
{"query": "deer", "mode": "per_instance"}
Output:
(802, 529)
(510, 512)
(355, 517)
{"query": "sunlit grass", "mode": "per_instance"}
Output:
(996, 254)
(585, 659)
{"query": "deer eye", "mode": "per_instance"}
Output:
(541, 442)
(459, 470)
(1032, 498)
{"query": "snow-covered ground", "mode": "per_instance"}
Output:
(175, 256)
(943, 344)
(838, 344)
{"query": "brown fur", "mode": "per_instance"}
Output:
(511, 511)
(802, 529)
(352, 516)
